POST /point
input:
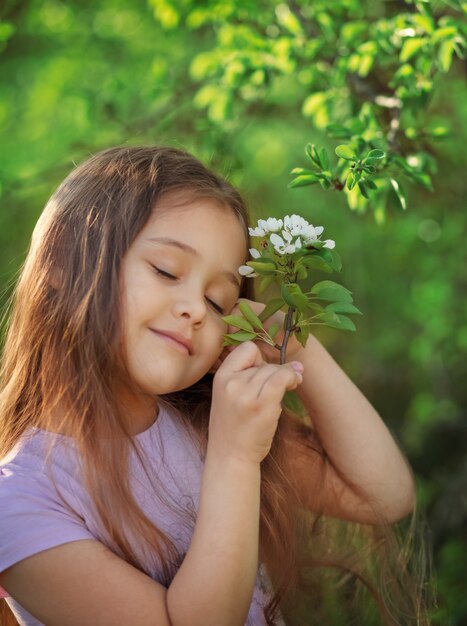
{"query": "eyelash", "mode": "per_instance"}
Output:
(171, 277)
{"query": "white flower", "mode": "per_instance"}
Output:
(255, 253)
(273, 225)
(246, 270)
(256, 232)
(284, 247)
(296, 233)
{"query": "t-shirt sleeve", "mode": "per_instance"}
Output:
(33, 517)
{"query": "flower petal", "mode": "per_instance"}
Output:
(329, 243)
(276, 240)
(256, 232)
(246, 270)
(254, 253)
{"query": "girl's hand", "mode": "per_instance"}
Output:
(269, 353)
(246, 404)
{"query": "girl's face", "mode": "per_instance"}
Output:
(182, 287)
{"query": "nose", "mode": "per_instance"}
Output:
(191, 307)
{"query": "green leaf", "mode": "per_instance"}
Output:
(369, 183)
(311, 152)
(301, 170)
(375, 154)
(250, 315)
(325, 183)
(261, 267)
(294, 296)
(350, 181)
(342, 307)
(302, 335)
(336, 321)
(346, 152)
(332, 258)
(239, 322)
(241, 336)
(423, 179)
(410, 47)
(314, 261)
(266, 282)
(338, 131)
(303, 181)
(271, 307)
(400, 194)
(445, 53)
(329, 290)
(323, 157)
(361, 186)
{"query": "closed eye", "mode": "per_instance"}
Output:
(171, 277)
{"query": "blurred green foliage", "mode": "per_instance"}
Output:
(246, 85)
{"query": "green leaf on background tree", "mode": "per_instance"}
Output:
(400, 195)
(369, 183)
(410, 47)
(346, 152)
(445, 52)
(350, 181)
(250, 315)
(375, 154)
(301, 170)
(323, 157)
(338, 131)
(361, 186)
(304, 180)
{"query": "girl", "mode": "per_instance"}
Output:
(148, 475)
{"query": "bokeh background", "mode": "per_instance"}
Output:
(80, 76)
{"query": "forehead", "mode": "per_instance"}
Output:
(202, 229)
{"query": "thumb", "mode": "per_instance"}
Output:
(246, 355)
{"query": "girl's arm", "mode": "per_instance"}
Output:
(367, 469)
(215, 583)
(367, 475)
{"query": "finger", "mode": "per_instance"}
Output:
(276, 379)
(246, 355)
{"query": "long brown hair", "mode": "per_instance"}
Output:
(62, 350)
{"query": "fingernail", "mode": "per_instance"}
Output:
(298, 367)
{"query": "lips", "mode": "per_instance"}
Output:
(176, 339)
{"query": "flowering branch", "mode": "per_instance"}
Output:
(286, 259)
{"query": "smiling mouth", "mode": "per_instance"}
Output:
(172, 342)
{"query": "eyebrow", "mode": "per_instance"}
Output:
(187, 248)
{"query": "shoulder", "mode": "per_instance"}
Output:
(37, 508)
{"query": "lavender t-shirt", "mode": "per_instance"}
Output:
(33, 517)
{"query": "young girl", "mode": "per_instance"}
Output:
(149, 476)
